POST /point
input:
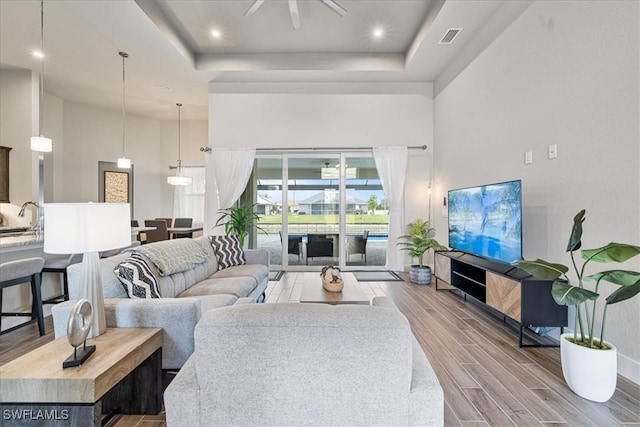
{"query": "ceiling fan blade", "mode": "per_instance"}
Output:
(255, 6)
(335, 7)
(295, 16)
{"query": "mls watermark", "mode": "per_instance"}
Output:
(35, 414)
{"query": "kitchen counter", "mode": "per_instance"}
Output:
(21, 241)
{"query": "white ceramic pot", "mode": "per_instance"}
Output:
(420, 275)
(590, 373)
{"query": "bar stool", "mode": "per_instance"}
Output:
(22, 271)
(59, 266)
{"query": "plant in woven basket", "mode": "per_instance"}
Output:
(418, 240)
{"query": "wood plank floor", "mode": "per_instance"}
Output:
(487, 379)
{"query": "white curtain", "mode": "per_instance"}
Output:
(391, 163)
(228, 170)
(188, 200)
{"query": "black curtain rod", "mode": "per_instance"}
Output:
(322, 149)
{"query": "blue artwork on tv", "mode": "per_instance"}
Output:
(487, 220)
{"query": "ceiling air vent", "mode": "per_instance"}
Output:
(451, 34)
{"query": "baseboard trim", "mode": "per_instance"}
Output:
(629, 368)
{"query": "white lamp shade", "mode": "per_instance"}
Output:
(179, 180)
(124, 163)
(41, 144)
(72, 228)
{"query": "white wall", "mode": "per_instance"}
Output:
(563, 73)
(94, 134)
(319, 115)
(16, 103)
(82, 135)
(193, 135)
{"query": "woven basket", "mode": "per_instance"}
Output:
(333, 286)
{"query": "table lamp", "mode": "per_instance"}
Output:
(88, 228)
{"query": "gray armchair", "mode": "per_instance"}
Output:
(301, 364)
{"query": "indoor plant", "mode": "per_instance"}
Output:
(418, 240)
(238, 220)
(588, 361)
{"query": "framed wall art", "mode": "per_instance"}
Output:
(115, 185)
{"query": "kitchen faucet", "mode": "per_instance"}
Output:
(24, 206)
(38, 219)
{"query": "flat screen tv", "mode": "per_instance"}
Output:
(487, 220)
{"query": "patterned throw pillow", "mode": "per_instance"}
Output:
(227, 251)
(136, 278)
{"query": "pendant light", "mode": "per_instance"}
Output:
(178, 179)
(123, 162)
(41, 143)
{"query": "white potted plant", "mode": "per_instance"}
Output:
(418, 240)
(589, 363)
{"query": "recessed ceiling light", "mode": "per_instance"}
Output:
(215, 33)
(37, 54)
(378, 32)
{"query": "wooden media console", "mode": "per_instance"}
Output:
(508, 290)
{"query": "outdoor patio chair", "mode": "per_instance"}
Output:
(319, 246)
(294, 245)
(358, 245)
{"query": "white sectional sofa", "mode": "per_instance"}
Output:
(185, 297)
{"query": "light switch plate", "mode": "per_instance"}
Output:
(553, 151)
(528, 157)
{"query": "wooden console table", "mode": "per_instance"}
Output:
(123, 375)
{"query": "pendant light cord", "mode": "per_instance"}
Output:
(124, 56)
(40, 106)
(179, 129)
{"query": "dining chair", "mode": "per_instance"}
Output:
(183, 222)
(169, 221)
(139, 237)
(160, 233)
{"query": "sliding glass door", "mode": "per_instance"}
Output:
(320, 209)
(367, 215)
(313, 192)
